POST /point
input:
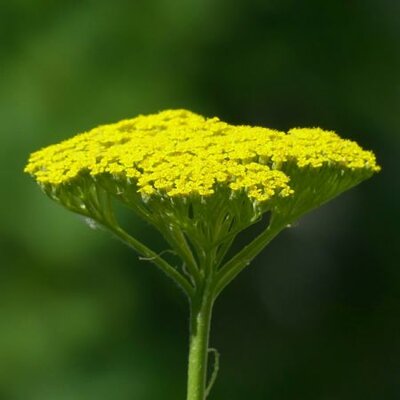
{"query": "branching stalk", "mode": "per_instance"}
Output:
(155, 258)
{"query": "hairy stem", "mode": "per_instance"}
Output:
(200, 320)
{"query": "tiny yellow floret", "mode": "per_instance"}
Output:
(179, 153)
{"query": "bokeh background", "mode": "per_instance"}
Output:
(316, 316)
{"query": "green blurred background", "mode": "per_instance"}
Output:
(317, 316)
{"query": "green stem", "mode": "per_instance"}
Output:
(144, 251)
(237, 263)
(200, 319)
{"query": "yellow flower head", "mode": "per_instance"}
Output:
(199, 182)
(177, 153)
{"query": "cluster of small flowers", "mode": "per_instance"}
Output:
(179, 153)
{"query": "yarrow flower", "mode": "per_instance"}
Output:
(199, 181)
(179, 153)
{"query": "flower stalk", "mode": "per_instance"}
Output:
(200, 322)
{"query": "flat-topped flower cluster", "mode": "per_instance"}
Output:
(179, 153)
